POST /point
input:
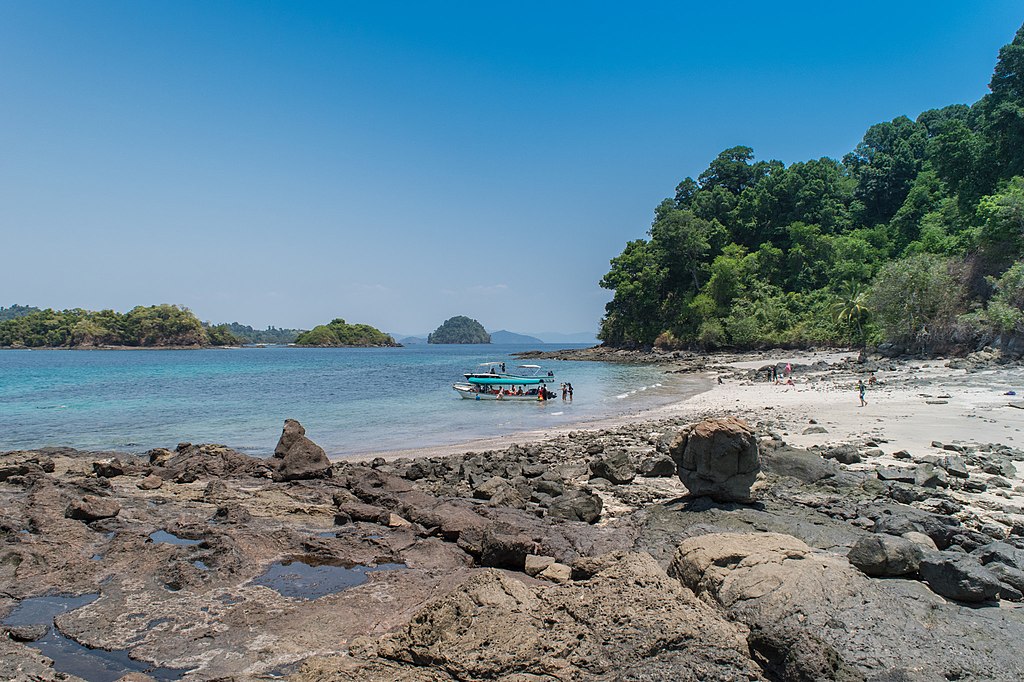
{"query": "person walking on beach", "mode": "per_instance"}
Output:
(861, 387)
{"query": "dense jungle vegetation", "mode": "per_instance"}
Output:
(915, 238)
(143, 326)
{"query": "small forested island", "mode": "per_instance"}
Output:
(247, 334)
(338, 333)
(156, 326)
(914, 239)
(460, 329)
(16, 310)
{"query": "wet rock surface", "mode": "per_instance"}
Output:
(568, 559)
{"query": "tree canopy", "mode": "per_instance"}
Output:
(142, 326)
(912, 238)
(338, 333)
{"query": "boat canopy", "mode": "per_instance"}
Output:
(506, 381)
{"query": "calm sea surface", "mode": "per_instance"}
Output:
(351, 400)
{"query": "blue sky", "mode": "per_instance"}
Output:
(400, 163)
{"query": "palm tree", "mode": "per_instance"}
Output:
(852, 306)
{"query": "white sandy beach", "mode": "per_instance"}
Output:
(920, 402)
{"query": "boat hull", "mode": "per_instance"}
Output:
(467, 393)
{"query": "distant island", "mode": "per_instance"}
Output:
(460, 329)
(156, 326)
(246, 334)
(338, 333)
(503, 336)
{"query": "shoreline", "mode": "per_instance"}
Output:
(645, 415)
(595, 515)
(965, 405)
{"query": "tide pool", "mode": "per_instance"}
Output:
(351, 400)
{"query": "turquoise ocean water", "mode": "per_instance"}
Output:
(351, 400)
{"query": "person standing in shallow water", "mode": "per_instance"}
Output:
(861, 387)
(569, 386)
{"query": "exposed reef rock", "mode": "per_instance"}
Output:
(568, 559)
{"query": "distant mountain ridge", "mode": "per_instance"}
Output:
(561, 337)
(511, 338)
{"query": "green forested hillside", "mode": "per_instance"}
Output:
(340, 333)
(459, 329)
(914, 238)
(146, 326)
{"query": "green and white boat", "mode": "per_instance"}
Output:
(528, 383)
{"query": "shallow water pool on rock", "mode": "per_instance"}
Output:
(162, 537)
(70, 657)
(307, 578)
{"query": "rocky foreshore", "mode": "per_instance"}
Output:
(707, 549)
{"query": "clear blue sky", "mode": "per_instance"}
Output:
(289, 162)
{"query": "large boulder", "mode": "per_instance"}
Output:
(803, 465)
(108, 468)
(718, 458)
(959, 576)
(844, 454)
(297, 457)
(93, 508)
(576, 505)
(615, 466)
(657, 466)
(879, 554)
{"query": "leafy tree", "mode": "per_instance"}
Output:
(1002, 220)
(633, 315)
(916, 300)
(733, 171)
(1003, 108)
(851, 308)
(885, 163)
